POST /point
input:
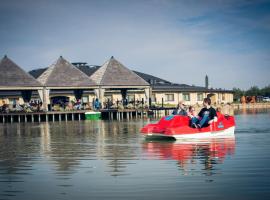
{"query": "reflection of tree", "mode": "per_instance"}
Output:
(208, 152)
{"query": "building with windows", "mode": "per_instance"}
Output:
(112, 82)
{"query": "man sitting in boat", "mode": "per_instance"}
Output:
(180, 110)
(206, 116)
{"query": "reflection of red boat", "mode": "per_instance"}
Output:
(177, 127)
(193, 149)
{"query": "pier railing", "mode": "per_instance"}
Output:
(111, 114)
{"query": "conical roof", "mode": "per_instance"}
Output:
(11, 75)
(113, 73)
(64, 74)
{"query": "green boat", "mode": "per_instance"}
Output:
(92, 115)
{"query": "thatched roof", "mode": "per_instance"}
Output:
(113, 73)
(64, 74)
(12, 76)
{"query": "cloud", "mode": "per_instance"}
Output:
(181, 41)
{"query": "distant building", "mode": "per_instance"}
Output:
(112, 82)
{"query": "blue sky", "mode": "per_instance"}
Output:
(180, 41)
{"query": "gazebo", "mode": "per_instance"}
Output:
(62, 75)
(113, 75)
(14, 78)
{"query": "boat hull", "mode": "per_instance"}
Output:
(229, 132)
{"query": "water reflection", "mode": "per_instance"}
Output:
(251, 111)
(192, 154)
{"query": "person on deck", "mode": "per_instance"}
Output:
(206, 116)
(180, 110)
(96, 104)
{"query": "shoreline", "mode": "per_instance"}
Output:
(238, 106)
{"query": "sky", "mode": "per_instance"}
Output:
(180, 41)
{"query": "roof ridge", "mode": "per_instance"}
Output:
(43, 78)
(101, 71)
(20, 71)
(106, 68)
(76, 68)
(131, 71)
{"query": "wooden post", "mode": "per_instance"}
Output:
(79, 116)
(3, 119)
(11, 118)
(39, 118)
(66, 116)
(59, 117)
(32, 118)
(19, 118)
(53, 117)
(46, 117)
(72, 116)
(25, 118)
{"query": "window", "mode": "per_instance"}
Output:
(153, 98)
(223, 97)
(186, 96)
(199, 96)
(131, 97)
(169, 97)
(85, 99)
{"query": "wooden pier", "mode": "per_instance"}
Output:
(111, 114)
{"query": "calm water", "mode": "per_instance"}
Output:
(111, 160)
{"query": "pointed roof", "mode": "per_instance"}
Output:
(113, 73)
(64, 74)
(11, 75)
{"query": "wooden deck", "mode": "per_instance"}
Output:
(111, 114)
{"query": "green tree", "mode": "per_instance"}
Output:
(266, 91)
(253, 91)
(238, 93)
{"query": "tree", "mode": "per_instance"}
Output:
(266, 91)
(238, 93)
(253, 91)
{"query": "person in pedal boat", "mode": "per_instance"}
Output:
(180, 110)
(206, 116)
(193, 116)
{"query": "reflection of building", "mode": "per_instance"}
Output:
(45, 138)
(191, 153)
(114, 144)
(110, 82)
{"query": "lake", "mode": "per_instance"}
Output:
(112, 160)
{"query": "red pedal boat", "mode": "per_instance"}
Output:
(177, 127)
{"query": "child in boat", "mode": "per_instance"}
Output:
(193, 116)
(180, 110)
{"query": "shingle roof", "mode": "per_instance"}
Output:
(64, 74)
(113, 73)
(11, 75)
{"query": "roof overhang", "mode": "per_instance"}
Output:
(69, 87)
(20, 88)
(124, 86)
